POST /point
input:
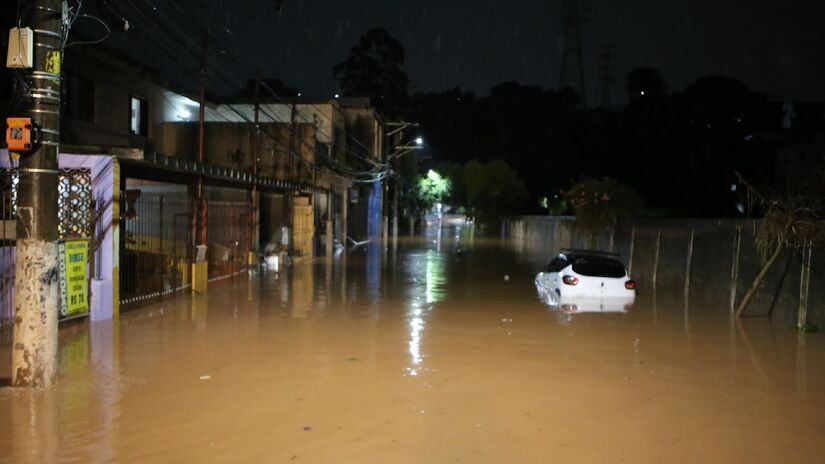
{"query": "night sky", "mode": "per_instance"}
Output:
(773, 47)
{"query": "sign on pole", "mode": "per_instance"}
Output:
(74, 279)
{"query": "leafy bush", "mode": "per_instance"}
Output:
(494, 189)
(433, 188)
(599, 204)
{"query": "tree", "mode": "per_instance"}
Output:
(720, 103)
(432, 188)
(600, 204)
(793, 220)
(375, 69)
(493, 189)
(454, 172)
(556, 205)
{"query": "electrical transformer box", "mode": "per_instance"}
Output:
(21, 48)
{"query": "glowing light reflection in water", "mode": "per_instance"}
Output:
(428, 272)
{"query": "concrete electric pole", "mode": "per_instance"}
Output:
(36, 296)
(254, 234)
(394, 139)
(201, 199)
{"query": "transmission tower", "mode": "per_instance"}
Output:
(572, 64)
(606, 70)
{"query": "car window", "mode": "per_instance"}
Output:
(557, 264)
(595, 266)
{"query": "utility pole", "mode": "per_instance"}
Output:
(289, 197)
(253, 216)
(202, 218)
(396, 181)
(36, 296)
(394, 138)
(572, 64)
(200, 264)
(385, 206)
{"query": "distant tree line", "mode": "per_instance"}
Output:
(679, 150)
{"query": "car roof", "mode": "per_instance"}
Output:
(571, 254)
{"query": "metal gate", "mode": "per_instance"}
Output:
(155, 255)
(228, 238)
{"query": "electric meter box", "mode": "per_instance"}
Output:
(21, 48)
(19, 134)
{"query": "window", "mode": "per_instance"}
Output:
(598, 267)
(557, 264)
(139, 119)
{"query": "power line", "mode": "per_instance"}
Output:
(273, 93)
(220, 73)
(217, 114)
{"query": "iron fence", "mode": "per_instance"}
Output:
(155, 255)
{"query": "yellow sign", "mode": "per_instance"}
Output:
(74, 282)
(53, 60)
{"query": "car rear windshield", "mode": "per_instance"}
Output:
(598, 267)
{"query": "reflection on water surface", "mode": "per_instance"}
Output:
(421, 352)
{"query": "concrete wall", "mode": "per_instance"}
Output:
(365, 130)
(711, 280)
(103, 303)
(325, 115)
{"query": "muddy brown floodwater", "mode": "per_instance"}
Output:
(422, 354)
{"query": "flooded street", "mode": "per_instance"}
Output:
(437, 351)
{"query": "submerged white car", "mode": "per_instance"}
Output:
(586, 281)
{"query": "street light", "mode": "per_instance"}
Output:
(419, 141)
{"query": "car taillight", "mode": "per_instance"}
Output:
(570, 280)
(630, 285)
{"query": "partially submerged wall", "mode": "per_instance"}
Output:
(723, 261)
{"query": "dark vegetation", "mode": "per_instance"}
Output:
(680, 150)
